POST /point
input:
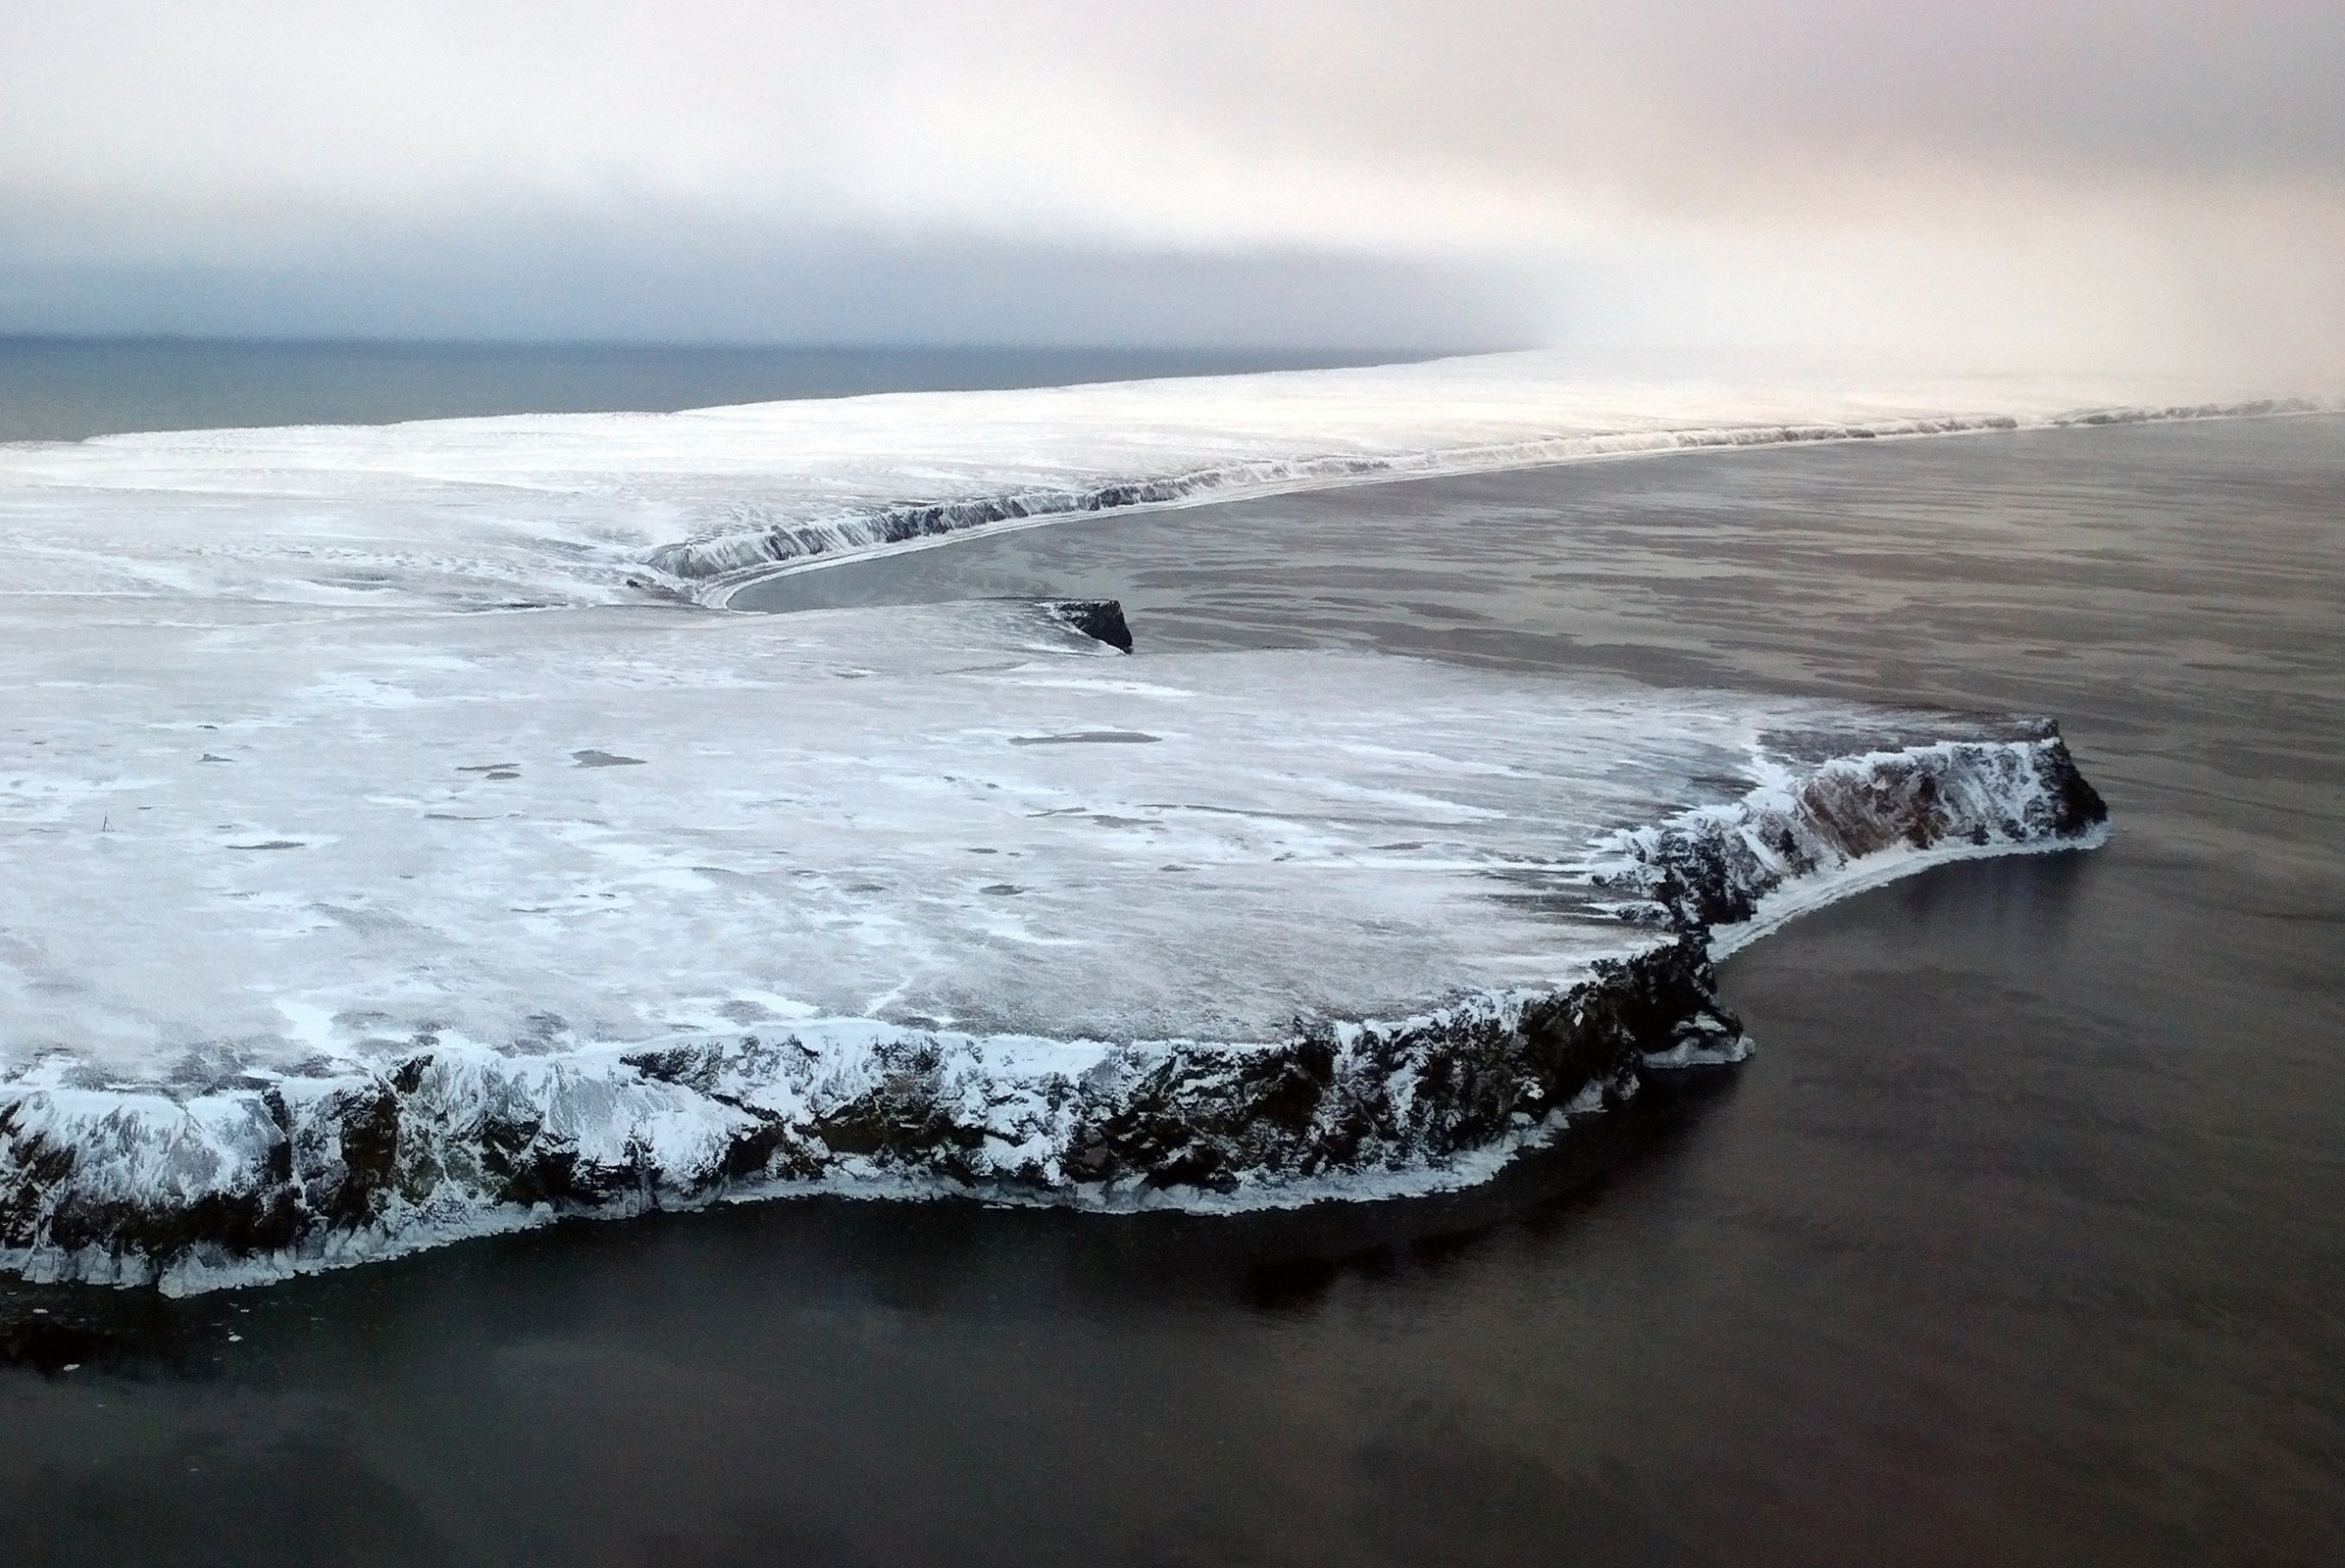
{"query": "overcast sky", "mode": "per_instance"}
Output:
(2131, 181)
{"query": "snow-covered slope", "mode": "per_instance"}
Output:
(576, 508)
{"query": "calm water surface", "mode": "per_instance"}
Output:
(64, 389)
(2017, 1243)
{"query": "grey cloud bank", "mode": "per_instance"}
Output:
(2147, 182)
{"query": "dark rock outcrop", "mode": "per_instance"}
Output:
(1101, 619)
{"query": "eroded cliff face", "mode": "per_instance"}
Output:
(259, 1177)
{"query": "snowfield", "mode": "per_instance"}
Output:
(599, 507)
(382, 869)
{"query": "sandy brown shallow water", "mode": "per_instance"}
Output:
(2017, 1243)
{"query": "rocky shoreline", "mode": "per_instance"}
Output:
(265, 1176)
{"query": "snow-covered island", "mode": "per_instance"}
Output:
(373, 883)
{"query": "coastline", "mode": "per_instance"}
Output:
(452, 1142)
(692, 570)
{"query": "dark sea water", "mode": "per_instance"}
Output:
(2022, 1241)
(63, 389)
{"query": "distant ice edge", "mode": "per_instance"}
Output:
(710, 567)
(263, 1179)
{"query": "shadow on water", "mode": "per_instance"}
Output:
(820, 1381)
(948, 1255)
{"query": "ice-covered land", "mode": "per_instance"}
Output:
(333, 933)
(345, 916)
(581, 508)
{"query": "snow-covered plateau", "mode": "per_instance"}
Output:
(601, 507)
(352, 907)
